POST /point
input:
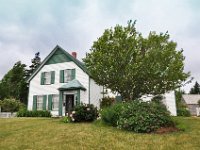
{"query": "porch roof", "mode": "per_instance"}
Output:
(72, 85)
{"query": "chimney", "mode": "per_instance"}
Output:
(74, 54)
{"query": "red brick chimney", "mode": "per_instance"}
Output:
(74, 54)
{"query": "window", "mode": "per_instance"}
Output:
(47, 78)
(55, 102)
(39, 102)
(67, 75)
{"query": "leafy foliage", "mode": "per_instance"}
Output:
(11, 105)
(181, 107)
(39, 113)
(36, 61)
(137, 116)
(144, 117)
(110, 115)
(13, 84)
(107, 101)
(84, 113)
(66, 119)
(195, 89)
(126, 62)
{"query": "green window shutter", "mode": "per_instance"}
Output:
(44, 102)
(73, 74)
(52, 77)
(35, 102)
(60, 103)
(42, 78)
(49, 102)
(61, 76)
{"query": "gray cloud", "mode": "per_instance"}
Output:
(27, 27)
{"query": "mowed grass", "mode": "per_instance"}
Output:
(48, 133)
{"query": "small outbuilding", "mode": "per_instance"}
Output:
(191, 100)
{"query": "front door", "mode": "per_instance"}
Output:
(69, 103)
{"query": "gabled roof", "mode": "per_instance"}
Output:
(191, 98)
(70, 57)
(72, 85)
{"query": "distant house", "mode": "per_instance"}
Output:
(191, 100)
(62, 81)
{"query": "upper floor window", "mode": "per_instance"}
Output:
(67, 75)
(47, 78)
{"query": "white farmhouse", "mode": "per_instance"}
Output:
(62, 81)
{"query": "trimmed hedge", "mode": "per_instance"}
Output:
(39, 113)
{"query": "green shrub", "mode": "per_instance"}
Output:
(183, 112)
(107, 101)
(39, 113)
(66, 119)
(110, 115)
(11, 105)
(84, 113)
(144, 117)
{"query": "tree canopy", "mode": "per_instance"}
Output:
(13, 84)
(195, 89)
(132, 65)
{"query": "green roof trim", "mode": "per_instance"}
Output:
(52, 59)
(72, 85)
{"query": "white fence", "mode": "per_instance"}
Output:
(7, 114)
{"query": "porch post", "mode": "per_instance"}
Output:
(60, 103)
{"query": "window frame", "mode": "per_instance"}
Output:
(39, 103)
(45, 77)
(69, 75)
(53, 102)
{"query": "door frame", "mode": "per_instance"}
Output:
(66, 101)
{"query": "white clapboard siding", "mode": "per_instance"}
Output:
(35, 88)
(95, 93)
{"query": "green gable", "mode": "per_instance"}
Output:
(58, 57)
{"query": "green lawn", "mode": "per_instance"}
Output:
(40, 133)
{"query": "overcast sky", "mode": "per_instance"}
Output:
(27, 27)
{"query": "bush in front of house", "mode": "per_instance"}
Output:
(84, 113)
(66, 119)
(182, 111)
(110, 115)
(11, 105)
(144, 117)
(106, 102)
(38, 113)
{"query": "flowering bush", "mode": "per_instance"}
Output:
(84, 113)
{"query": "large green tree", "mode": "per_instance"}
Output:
(132, 65)
(195, 89)
(13, 84)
